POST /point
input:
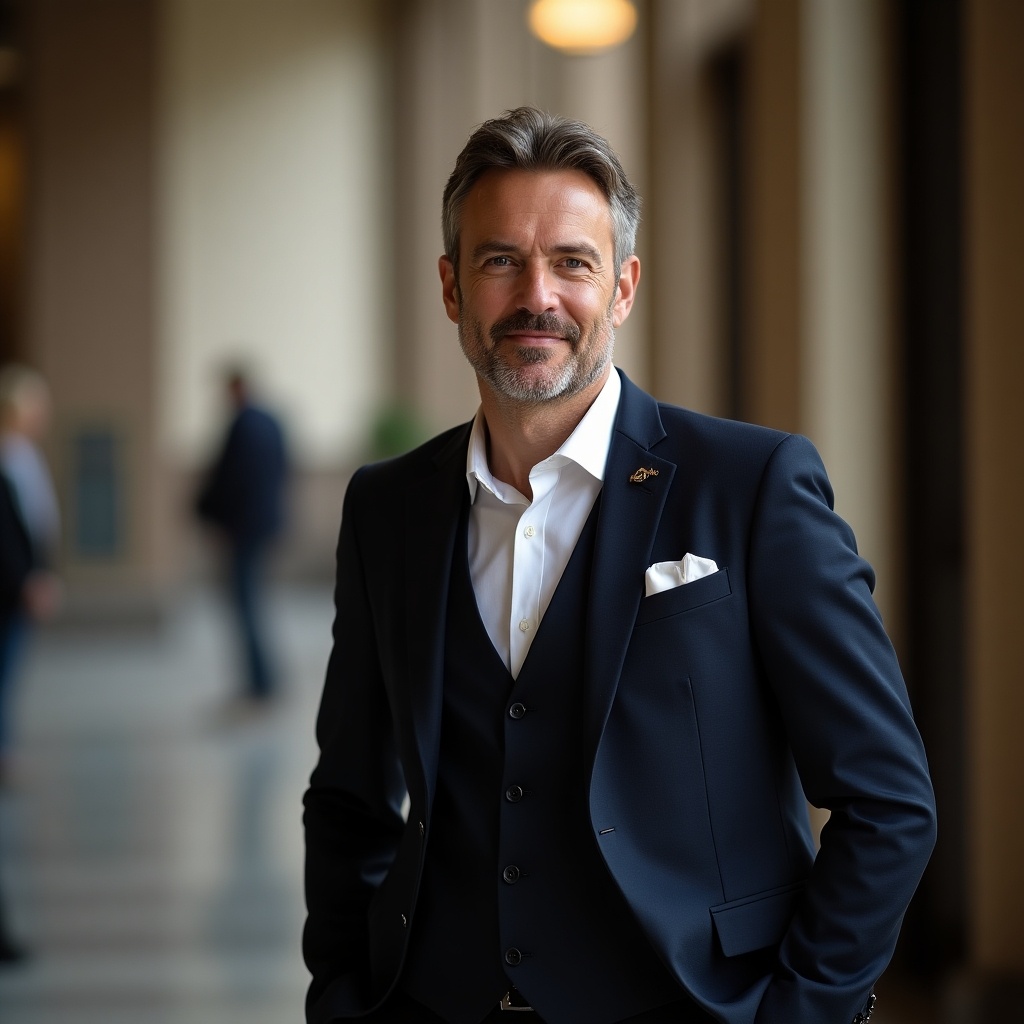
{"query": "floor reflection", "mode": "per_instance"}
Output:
(150, 849)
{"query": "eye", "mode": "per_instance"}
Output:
(574, 263)
(499, 261)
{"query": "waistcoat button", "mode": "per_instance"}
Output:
(513, 957)
(511, 874)
(517, 710)
(514, 794)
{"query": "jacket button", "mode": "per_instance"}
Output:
(405, 921)
(511, 874)
(514, 794)
(517, 710)
(423, 828)
(513, 957)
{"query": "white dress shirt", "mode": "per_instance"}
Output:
(518, 549)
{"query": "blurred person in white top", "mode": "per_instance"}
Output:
(24, 419)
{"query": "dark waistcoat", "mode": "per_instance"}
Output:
(514, 890)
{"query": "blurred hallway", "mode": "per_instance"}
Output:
(151, 857)
(832, 244)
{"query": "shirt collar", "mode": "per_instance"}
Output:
(587, 445)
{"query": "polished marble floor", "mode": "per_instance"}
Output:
(150, 847)
(150, 851)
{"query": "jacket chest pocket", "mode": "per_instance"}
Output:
(685, 598)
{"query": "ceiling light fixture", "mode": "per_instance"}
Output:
(582, 26)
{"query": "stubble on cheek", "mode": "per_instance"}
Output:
(517, 371)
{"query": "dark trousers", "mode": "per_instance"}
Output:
(400, 1009)
(245, 583)
(13, 630)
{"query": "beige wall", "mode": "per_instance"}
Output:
(849, 369)
(274, 222)
(207, 180)
(90, 264)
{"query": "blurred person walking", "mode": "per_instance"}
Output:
(15, 569)
(29, 529)
(30, 525)
(243, 498)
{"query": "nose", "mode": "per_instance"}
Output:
(536, 289)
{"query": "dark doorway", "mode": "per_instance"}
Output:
(931, 93)
(728, 82)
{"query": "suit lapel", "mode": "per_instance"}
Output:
(432, 519)
(631, 510)
(629, 516)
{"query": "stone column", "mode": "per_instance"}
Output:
(89, 309)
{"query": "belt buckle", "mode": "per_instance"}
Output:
(507, 1004)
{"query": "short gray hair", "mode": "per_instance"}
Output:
(531, 140)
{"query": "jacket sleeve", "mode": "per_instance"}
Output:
(847, 715)
(352, 817)
(15, 551)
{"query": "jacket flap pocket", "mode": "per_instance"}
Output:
(757, 921)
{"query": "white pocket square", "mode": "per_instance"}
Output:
(666, 575)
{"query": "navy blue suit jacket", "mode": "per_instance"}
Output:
(16, 555)
(712, 710)
(244, 491)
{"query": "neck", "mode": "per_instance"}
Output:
(520, 435)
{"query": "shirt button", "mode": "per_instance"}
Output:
(529, 531)
(524, 625)
(517, 710)
(513, 956)
(514, 794)
(511, 874)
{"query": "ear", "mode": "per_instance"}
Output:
(629, 277)
(449, 288)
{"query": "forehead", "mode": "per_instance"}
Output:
(512, 203)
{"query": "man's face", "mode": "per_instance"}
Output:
(538, 295)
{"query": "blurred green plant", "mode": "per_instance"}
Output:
(396, 429)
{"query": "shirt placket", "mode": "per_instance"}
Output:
(528, 564)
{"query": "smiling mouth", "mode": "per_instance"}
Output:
(527, 338)
(526, 329)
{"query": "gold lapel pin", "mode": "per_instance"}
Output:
(641, 474)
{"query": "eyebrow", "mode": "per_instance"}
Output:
(496, 246)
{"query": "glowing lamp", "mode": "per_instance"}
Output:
(582, 26)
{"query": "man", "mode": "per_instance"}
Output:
(604, 647)
(243, 498)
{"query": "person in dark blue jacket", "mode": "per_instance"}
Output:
(15, 569)
(243, 498)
